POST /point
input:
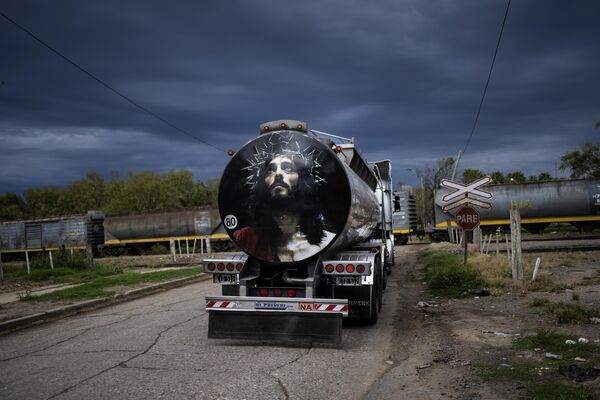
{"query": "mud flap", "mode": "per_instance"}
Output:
(314, 327)
(359, 299)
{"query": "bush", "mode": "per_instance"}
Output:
(446, 275)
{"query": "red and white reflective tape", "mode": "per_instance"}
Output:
(220, 304)
(332, 307)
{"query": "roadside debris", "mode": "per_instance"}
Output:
(480, 292)
(569, 341)
(424, 366)
(583, 340)
(579, 359)
(422, 304)
(553, 356)
(579, 374)
(595, 320)
(501, 334)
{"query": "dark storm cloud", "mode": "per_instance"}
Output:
(404, 78)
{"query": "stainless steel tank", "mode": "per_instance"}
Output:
(286, 197)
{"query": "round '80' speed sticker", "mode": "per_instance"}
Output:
(230, 221)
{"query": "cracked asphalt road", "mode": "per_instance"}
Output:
(156, 347)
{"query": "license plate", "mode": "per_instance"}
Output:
(347, 280)
(224, 278)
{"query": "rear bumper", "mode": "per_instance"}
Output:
(276, 318)
(279, 305)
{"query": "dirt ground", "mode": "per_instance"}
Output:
(453, 340)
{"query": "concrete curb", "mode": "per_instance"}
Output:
(94, 304)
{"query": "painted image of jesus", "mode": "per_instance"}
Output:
(288, 224)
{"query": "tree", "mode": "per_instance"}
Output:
(11, 207)
(431, 177)
(515, 177)
(544, 177)
(471, 175)
(497, 177)
(43, 202)
(84, 195)
(583, 162)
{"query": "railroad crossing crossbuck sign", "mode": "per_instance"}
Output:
(465, 195)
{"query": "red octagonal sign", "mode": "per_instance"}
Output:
(467, 218)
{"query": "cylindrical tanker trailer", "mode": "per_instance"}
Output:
(575, 201)
(308, 214)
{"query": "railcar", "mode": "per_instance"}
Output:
(114, 234)
(572, 201)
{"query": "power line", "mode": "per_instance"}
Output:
(106, 85)
(488, 79)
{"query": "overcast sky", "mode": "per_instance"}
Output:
(403, 77)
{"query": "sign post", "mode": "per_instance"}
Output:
(466, 196)
(468, 219)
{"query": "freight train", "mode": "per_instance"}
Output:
(405, 215)
(314, 222)
(573, 201)
(114, 234)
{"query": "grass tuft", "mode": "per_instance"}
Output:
(537, 302)
(446, 275)
(566, 313)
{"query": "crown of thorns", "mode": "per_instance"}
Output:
(281, 144)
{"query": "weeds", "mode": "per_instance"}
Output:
(446, 275)
(553, 342)
(537, 302)
(97, 287)
(61, 259)
(566, 313)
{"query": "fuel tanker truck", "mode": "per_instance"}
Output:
(314, 222)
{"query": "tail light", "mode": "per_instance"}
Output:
(339, 268)
(360, 268)
(349, 268)
(264, 292)
(239, 267)
(211, 266)
(291, 292)
(230, 267)
(221, 266)
(277, 292)
(329, 268)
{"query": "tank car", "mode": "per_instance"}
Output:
(573, 201)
